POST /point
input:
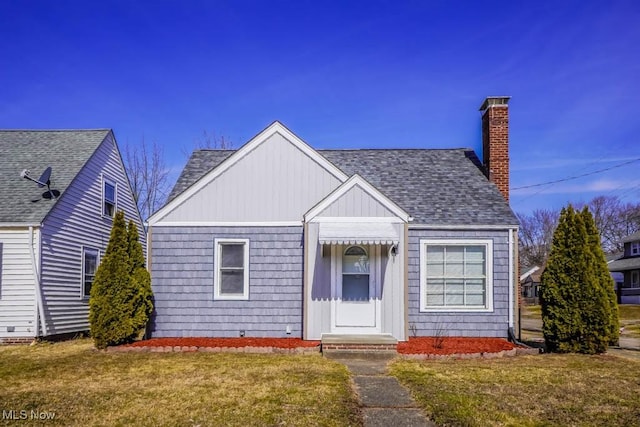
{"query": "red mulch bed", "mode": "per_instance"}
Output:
(422, 345)
(225, 342)
(454, 345)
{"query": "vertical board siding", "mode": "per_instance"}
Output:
(182, 270)
(274, 182)
(76, 221)
(356, 202)
(463, 324)
(17, 284)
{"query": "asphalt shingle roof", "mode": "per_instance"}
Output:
(443, 187)
(66, 151)
(632, 238)
(625, 264)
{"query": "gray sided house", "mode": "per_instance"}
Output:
(52, 238)
(629, 265)
(278, 239)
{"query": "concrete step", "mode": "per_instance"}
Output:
(373, 346)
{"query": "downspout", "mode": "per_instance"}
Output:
(510, 332)
(511, 305)
(36, 276)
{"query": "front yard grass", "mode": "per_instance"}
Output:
(544, 390)
(83, 386)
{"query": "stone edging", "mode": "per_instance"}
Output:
(484, 355)
(194, 349)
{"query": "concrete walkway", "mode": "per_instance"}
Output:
(383, 400)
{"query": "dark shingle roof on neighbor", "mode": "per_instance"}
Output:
(625, 264)
(66, 151)
(435, 186)
(635, 237)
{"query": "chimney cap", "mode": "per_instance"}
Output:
(494, 100)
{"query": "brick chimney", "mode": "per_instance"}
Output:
(495, 141)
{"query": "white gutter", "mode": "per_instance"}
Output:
(511, 272)
(36, 276)
(461, 227)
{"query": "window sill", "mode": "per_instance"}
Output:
(456, 309)
(231, 298)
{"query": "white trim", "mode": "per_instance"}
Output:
(488, 243)
(216, 278)
(530, 272)
(24, 225)
(634, 246)
(83, 250)
(346, 186)
(229, 224)
(106, 180)
(36, 275)
(461, 227)
(357, 219)
(275, 127)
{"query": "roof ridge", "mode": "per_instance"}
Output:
(56, 130)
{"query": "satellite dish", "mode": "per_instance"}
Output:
(44, 180)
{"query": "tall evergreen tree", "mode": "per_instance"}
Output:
(576, 313)
(121, 298)
(109, 303)
(142, 302)
(603, 276)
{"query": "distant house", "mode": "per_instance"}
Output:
(280, 239)
(629, 266)
(52, 238)
(530, 285)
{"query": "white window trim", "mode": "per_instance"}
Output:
(84, 249)
(217, 245)
(635, 284)
(106, 180)
(488, 243)
(634, 246)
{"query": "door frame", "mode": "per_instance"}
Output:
(375, 289)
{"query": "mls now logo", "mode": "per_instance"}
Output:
(27, 415)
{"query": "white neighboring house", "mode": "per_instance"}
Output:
(51, 239)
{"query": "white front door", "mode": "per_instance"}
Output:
(355, 286)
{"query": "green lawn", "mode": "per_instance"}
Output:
(83, 386)
(544, 390)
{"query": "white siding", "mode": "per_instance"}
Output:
(356, 203)
(76, 221)
(17, 284)
(276, 182)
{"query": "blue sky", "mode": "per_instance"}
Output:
(370, 74)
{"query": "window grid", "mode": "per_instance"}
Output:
(475, 285)
(635, 248)
(90, 260)
(231, 267)
(449, 281)
(109, 198)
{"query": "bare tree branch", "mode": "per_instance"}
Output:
(148, 175)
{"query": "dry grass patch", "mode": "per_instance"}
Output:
(548, 390)
(86, 387)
